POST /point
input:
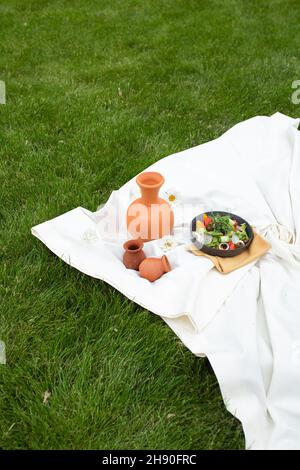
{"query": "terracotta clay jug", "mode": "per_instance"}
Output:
(150, 217)
(153, 268)
(134, 254)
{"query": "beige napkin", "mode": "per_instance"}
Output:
(258, 247)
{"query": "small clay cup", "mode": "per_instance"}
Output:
(153, 268)
(134, 254)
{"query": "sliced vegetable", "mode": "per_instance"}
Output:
(207, 238)
(198, 236)
(224, 246)
(199, 224)
(235, 238)
(207, 220)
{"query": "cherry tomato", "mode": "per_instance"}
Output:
(207, 220)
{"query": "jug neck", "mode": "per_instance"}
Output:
(150, 183)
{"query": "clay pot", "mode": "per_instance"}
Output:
(149, 216)
(134, 254)
(153, 268)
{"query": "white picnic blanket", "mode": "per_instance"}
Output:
(248, 322)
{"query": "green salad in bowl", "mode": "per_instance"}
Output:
(219, 232)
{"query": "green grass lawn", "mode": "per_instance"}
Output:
(97, 91)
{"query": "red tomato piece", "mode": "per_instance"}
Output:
(207, 220)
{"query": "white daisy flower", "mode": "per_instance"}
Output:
(169, 243)
(90, 236)
(172, 196)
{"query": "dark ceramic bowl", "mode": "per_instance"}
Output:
(214, 251)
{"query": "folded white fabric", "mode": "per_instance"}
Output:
(247, 323)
